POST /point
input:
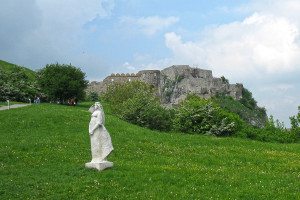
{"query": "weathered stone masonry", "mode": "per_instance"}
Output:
(174, 83)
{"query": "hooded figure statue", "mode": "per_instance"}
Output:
(101, 145)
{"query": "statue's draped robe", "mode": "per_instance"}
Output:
(101, 145)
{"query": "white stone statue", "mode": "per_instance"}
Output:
(101, 145)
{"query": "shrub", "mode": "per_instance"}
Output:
(247, 99)
(145, 110)
(92, 96)
(200, 116)
(118, 93)
(255, 116)
(137, 103)
(274, 131)
(17, 85)
(295, 123)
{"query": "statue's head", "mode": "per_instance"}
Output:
(96, 106)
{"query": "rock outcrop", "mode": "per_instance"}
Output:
(175, 82)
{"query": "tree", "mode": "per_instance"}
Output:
(92, 96)
(16, 85)
(295, 123)
(60, 82)
(137, 103)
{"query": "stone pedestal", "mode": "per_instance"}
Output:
(99, 166)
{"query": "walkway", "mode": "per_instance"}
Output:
(13, 106)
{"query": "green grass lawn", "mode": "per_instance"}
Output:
(43, 149)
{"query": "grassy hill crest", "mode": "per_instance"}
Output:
(17, 83)
(9, 68)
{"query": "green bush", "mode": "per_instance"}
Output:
(118, 93)
(136, 103)
(92, 96)
(295, 123)
(274, 131)
(17, 85)
(145, 110)
(247, 99)
(254, 116)
(201, 116)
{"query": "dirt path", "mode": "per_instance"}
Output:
(13, 106)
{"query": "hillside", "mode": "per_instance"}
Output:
(17, 83)
(10, 68)
(43, 149)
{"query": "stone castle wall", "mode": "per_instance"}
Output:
(174, 83)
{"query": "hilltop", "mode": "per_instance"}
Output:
(10, 68)
(43, 150)
(174, 83)
(16, 83)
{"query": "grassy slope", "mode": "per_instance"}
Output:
(8, 67)
(43, 149)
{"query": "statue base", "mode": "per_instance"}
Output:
(99, 166)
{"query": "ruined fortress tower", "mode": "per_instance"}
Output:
(174, 83)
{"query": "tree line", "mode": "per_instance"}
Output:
(53, 83)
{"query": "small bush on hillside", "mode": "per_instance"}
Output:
(247, 99)
(145, 110)
(200, 116)
(295, 123)
(255, 116)
(17, 85)
(118, 93)
(136, 103)
(92, 96)
(274, 131)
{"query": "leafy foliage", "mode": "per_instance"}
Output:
(17, 83)
(295, 123)
(247, 99)
(136, 102)
(145, 110)
(62, 82)
(92, 96)
(254, 116)
(118, 93)
(274, 131)
(196, 115)
(224, 80)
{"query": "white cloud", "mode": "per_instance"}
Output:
(149, 25)
(259, 43)
(128, 66)
(47, 31)
(279, 88)
(262, 51)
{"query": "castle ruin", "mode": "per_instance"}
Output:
(174, 83)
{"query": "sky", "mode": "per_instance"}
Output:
(254, 42)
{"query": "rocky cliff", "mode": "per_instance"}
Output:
(175, 83)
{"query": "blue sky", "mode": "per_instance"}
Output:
(254, 42)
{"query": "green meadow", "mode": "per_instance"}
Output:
(43, 149)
